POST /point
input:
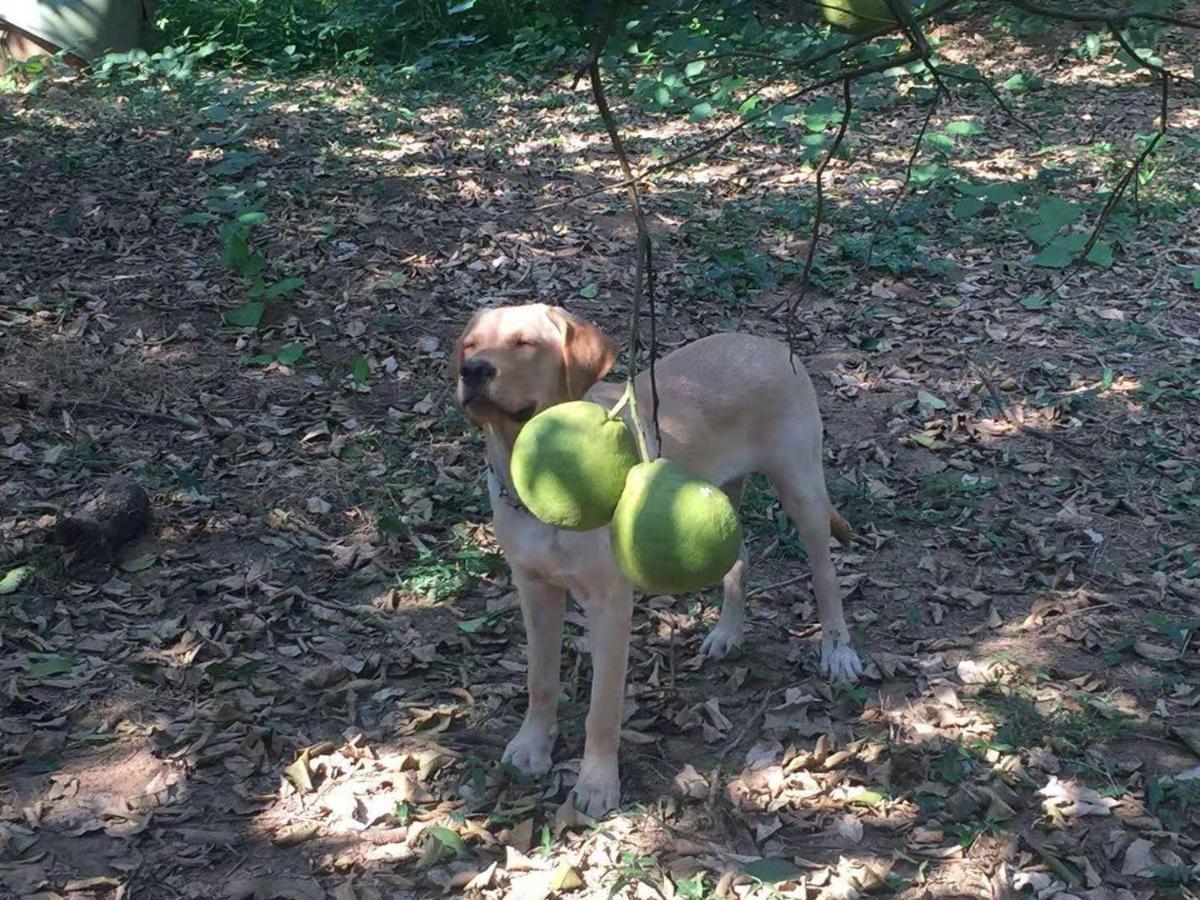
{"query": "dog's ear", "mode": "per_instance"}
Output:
(456, 356)
(588, 353)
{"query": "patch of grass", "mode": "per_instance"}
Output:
(1070, 728)
(764, 518)
(447, 575)
(1174, 802)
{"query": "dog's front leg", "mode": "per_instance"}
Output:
(542, 607)
(609, 621)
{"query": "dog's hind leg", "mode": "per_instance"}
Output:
(730, 629)
(800, 485)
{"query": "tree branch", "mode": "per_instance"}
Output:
(644, 266)
(818, 215)
(1101, 18)
(706, 145)
(912, 159)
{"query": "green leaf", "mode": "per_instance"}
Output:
(472, 626)
(773, 869)
(924, 174)
(939, 141)
(284, 287)
(923, 439)
(461, 7)
(1196, 278)
(14, 578)
(701, 111)
(967, 207)
(1101, 254)
(1020, 83)
(236, 253)
(215, 114)
(1042, 233)
(927, 399)
(262, 359)
(360, 371)
(291, 354)
(52, 665)
(1036, 302)
(589, 290)
(389, 524)
(247, 316)
(662, 95)
(197, 218)
(867, 797)
(140, 564)
(1001, 193)
(821, 114)
(964, 128)
(448, 838)
(236, 163)
(694, 68)
(253, 218)
(1057, 254)
(1058, 212)
(1154, 794)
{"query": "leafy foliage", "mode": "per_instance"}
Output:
(308, 34)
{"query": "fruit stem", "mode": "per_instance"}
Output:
(630, 397)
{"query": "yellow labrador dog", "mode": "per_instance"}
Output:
(730, 405)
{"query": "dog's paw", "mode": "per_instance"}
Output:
(721, 641)
(530, 750)
(839, 662)
(598, 789)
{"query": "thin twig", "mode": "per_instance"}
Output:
(912, 159)
(706, 145)
(1102, 18)
(644, 266)
(1115, 197)
(1118, 192)
(121, 410)
(778, 585)
(818, 215)
(750, 723)
(991, 89)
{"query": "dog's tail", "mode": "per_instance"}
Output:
(839, 526)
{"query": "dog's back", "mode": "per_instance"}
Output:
(729, 404)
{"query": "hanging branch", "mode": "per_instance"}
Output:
(908, 170)
(909, 26)
(1102, 18)
(644, 268)
(1131, 173)
(902, 59)
(818, 215)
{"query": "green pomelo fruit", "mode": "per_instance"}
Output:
(673, 532)
(569, 465)
(857, 16)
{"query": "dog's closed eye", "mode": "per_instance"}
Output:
(524, 342)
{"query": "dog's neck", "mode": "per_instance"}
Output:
(499, 455)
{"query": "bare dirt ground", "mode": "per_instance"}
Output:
(299, 683)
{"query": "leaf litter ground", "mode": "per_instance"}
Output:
(299, 684)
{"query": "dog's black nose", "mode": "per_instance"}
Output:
(476, 371)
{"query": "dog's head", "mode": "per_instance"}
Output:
(512, 362)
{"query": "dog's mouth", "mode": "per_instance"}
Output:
(479, 403)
